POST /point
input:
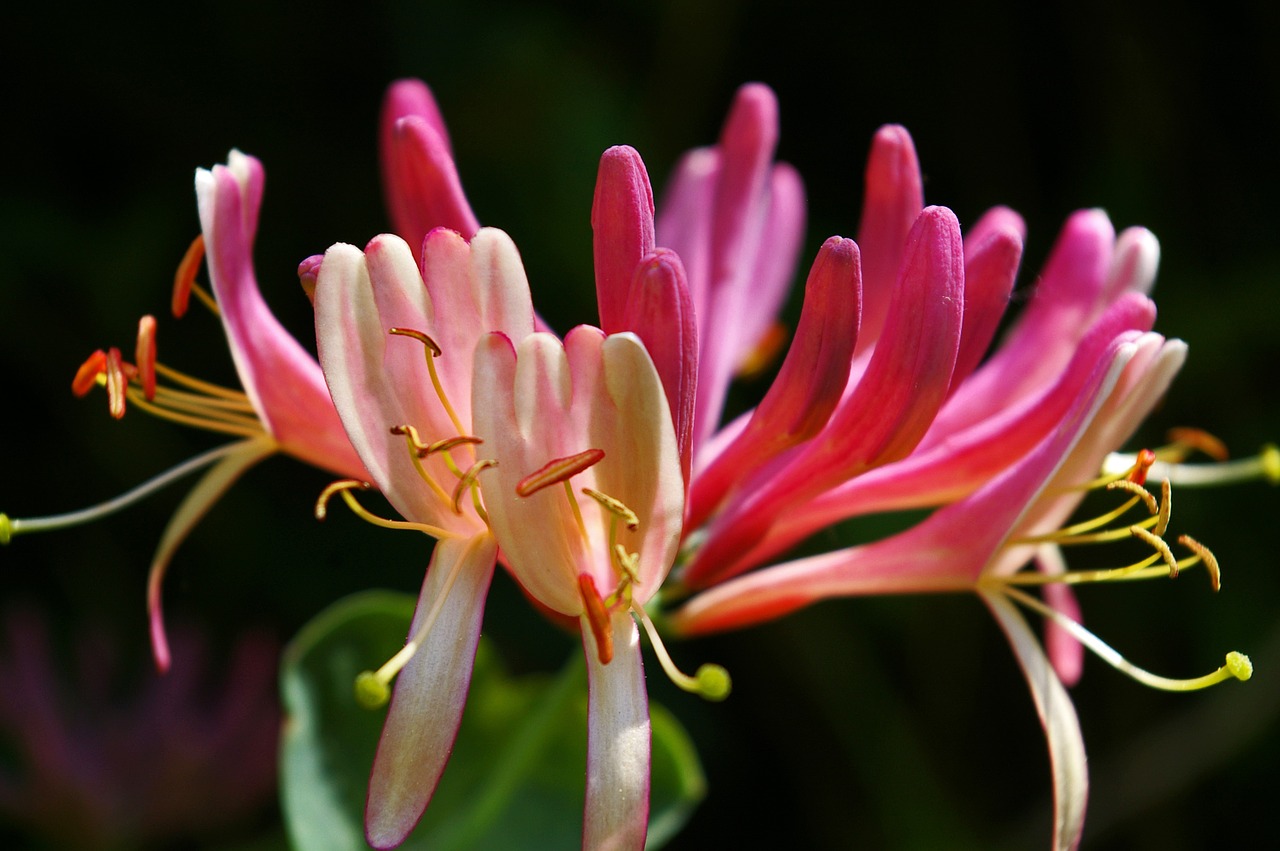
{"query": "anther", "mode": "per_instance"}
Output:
(1159, 546)
(468, 481)
(1198, 439)
(340, 486)
(1135, 488)
(558, 470)
(597, 617)
(117, 382)
(145, 355)
(1207, 557)
(615, 507)
(421, 337)
(445, 444)
(184, 279)
(89, 372)
(1142, 464)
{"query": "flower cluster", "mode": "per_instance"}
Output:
(596, 469)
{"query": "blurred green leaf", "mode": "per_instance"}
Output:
(515, 779)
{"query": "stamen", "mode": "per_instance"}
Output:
(11, 527)
(117, 381)
(468, 480)
(373, 688)
(558, 470)
(1265, 465)
(1137, 490)
(615, 507)
(146, 355)
(1141, 466)
(344, 487)
(1159, 546)
(1237, 664)
(417, 451)
(432, 352)
(1210, 561)
(88, 373)
(764, 353)
(711, 682)
(1198, 439)
(184, 280)
(597, 616)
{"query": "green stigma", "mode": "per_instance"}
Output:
(371, 691)
(715, 684)
(1239, 666)
(6, 529)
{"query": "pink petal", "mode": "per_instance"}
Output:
(616, 816)
(431, 690)
(283, 381)
(1063, 649)
(992, 250)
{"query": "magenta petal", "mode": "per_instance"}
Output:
(431, 690)
(808, 386)
(1063, 649)
(893, 199)
(616, 815)
(992, 251)
(622, 231)
(660, 312)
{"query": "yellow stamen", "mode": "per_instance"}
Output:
(711, 682)
(1210, 561)
(577, 511)
(468, 480)
(1160, 547)
(615, 507)
(1237, 664)
(344, 487)
(432, 351)
(416, 454)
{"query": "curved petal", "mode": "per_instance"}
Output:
(1058, 717)
(426, 707)
(283, 381)
(616, 816)
(622, 231)
(194, 506)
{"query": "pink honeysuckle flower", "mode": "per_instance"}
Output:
(284, 407)
(981, 542)
(511, 416)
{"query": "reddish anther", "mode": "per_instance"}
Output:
(1201, 440)
(117, 381)
(185, 278)
(146, 355)
(597, 616)
(558, 470)
(87, 374)
(1142, 466)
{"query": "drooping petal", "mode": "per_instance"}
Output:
(194, 506)
(616, 815)
(1063, 649)
(426, 706)
(283, 381)
(1057, 716)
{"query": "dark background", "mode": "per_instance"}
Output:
(895, 723)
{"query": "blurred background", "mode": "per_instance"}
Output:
(886, 723)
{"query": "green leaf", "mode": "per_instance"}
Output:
(515, 779)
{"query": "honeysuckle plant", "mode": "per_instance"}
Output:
(284, 406)
(486, 435)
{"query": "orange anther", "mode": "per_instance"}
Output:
(185, 278)
(1138, 475)
(146, 355)
(117, 381)
(1194, 438)
(597, 617)
(558, 470)
(421, 337)
(87, 374)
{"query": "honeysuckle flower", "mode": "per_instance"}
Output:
(883, 403)
(283, 408)
(484, 435)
